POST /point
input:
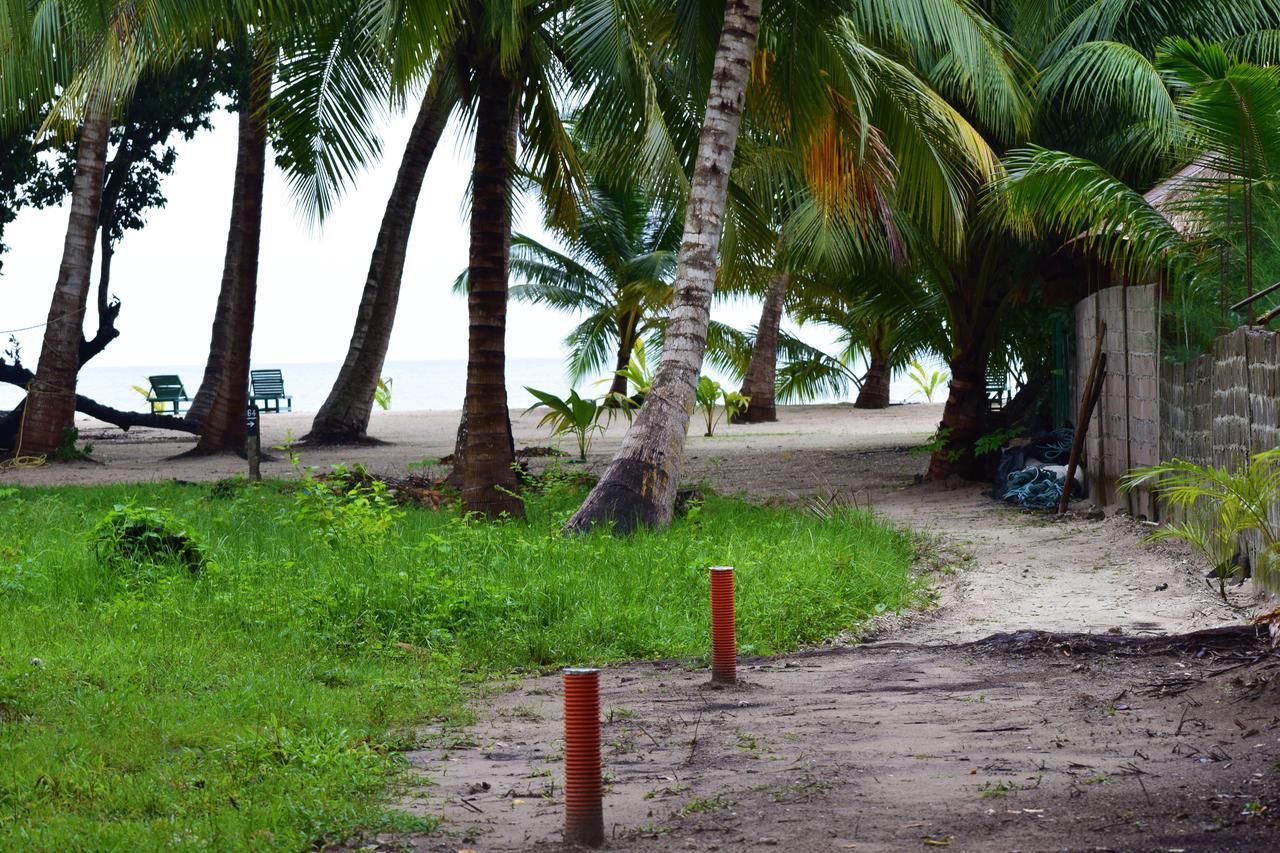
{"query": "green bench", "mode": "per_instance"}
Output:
(166, 391)
(267, 386)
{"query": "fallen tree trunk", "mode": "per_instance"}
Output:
(20, 376)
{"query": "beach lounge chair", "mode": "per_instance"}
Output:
(267, 386)
(166, 390)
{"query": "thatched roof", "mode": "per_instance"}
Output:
(1174, 197)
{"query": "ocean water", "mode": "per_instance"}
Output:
(416, 385)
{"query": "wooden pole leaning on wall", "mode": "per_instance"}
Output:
(1092, 391)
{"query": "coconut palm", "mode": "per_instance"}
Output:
(618, 265)
(36, 61)
(826, 53)
(1090, 58)
(344, 415)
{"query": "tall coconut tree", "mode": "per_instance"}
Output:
(344, 415)
(35, 62)
(617, 265)
(219, 406)
(1089, 58)
(638, 487)
(855, 41)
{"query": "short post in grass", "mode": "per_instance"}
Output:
(583, 785)
(724, 639)
(253, 442)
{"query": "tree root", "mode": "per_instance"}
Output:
(1233, 640)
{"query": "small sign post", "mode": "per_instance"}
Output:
(253, 442)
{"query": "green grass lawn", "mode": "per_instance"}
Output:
(263, 703)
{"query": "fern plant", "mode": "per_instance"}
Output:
(1218, 505)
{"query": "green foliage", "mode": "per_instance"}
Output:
(1218, 505)
(264, 703)
(67, 451)
(938, 443)
(715, 402)
(577, 415)
(136, 540)
(382, 394)
(348, 508)
(927, 382)
(637, 372)
(994, 442)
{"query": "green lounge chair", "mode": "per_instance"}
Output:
(166, 391)
(267, 386)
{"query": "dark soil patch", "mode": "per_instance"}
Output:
(1031, 746)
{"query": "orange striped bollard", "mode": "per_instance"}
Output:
(583, 786)
(724, 639)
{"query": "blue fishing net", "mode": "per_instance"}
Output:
(1037, 488)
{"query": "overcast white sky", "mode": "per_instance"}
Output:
(168, 274)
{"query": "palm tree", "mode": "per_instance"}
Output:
(1089, 56)
(618, 265)
(853, 50)
(34, 64)
(517, 83)
(640, 483)
(219, 406)
(1217, 112)
(344, 415)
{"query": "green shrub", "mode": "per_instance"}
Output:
(133, 538)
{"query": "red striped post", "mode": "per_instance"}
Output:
(583, 786)
(724, 638)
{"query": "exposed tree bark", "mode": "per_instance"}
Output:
(963, 417)
(219, 406)
(974, 308)
(488, 479)
(51, 399)
(760, 383)
(639, 486)
(628, 326)
(344, 416)
(874, 393)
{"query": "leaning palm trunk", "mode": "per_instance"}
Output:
(639, 485)
(486, 454)
(219, 406)
(762, 371)
(344, 417)
(51, 402)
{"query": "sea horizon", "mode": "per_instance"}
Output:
(416, 385)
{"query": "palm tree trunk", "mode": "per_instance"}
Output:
(639, 485)
(220, 404)
(51, 402)
(626, 345)
(487, 456)
(344, 416)
(762, 371)
(974, 306)
(963, 417)
(874, 393)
